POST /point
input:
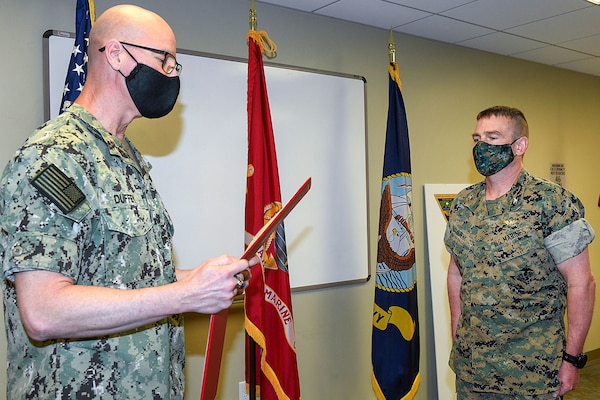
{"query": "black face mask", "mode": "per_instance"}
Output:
(153, 93)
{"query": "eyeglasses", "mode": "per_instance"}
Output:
(169, 63)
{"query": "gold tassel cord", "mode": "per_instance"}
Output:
(92, 11)
(395, 74)
(267, 46)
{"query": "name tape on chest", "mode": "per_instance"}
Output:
(58, 188)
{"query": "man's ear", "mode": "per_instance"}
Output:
(521, 145)
(113, 51)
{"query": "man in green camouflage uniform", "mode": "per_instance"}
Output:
(92, 299)
(516, 243)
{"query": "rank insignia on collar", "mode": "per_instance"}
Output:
(58, 188)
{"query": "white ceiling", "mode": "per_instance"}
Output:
(562, 33)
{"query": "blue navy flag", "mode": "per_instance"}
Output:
(395, 340)
(76, 73)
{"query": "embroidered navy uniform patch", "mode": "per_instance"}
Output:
(58, 188)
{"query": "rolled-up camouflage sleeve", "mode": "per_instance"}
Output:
(30, 251)
(569, 241)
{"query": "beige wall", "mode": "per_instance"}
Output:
(444, 87)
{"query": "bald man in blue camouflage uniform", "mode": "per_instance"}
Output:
(93, 302)
(517, 243)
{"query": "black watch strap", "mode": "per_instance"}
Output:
(579, 360)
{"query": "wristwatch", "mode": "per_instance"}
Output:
(578, 360)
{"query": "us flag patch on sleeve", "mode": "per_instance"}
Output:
(58, 188)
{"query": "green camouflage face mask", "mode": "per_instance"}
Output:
(490, 158)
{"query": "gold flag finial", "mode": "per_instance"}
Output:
(253, 21)
(392, 48)
(267, 47)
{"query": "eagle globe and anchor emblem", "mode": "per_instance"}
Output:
(396, 271)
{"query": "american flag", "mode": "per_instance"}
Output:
(78, 65)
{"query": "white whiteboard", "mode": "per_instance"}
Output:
(199, 157)
(438, 271)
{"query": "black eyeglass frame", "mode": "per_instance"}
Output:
(178, 67)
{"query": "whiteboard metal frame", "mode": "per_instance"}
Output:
(294, 228)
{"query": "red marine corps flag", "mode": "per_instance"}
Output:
(269, 320)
